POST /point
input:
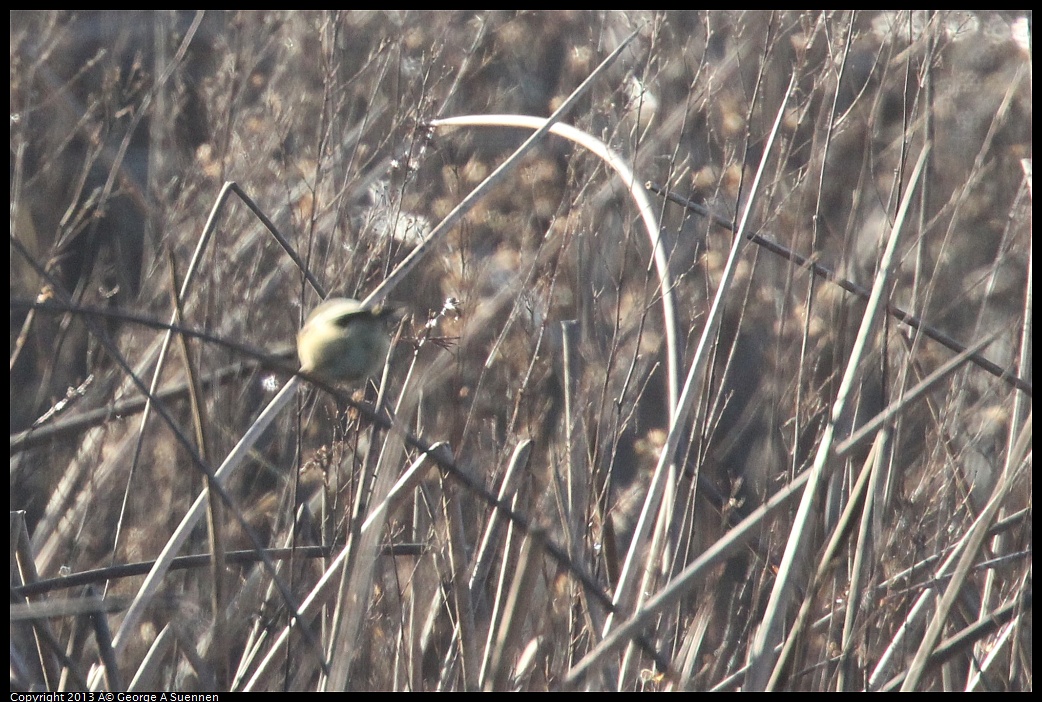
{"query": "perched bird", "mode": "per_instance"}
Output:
(344, 341)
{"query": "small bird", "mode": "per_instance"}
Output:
(344, 341)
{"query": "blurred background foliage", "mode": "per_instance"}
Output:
(124, 126)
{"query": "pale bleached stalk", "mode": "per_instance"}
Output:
(1016, 462)
(640, 198)
(859, 566)
(879, 424)
(508, 488)
(331, 576)
(680, 586)
(912, 624)
(654, 500)
(828, 556)
(173, 545)
(1021, 408)
(627, 595)
(358, 584)
(453, 218)
(762, 653)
